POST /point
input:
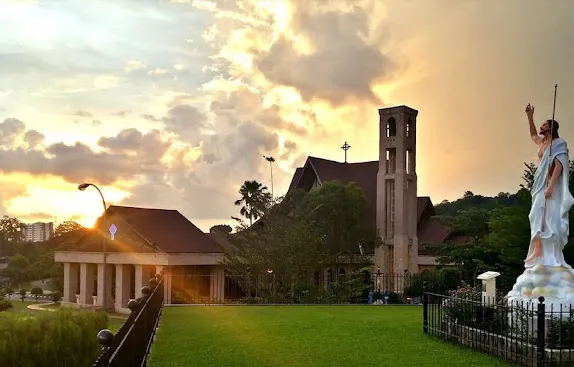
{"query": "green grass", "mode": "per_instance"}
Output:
(20, 308)
(302, 336)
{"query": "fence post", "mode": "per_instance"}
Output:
(425, 308)
(105, 338)
(541, 333)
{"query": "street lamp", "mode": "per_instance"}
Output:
(82, 187)
(270, 160)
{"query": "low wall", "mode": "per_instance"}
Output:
(502, 346)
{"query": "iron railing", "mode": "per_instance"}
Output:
(131, 344)
(526, 334)
(270, 288)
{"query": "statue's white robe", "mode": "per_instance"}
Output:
(554, 234)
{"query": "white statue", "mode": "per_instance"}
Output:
(547, 273)
(551, 198)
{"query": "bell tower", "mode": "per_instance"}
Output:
(397, 191)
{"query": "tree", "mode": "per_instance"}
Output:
(8, 291)
(10, 235)
(16, 269)
(36, 291)
(66, 227)
(337, 213)
(468, 194)
(221, 228)
(471, 223)
(255, 200)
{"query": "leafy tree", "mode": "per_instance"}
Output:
(254, 201)
(22, 294)
(16, 269)
(5, 305)
(468, 194)
(528, 175)
(36, 291)
(8, 291)
(471, 223)
(221, 228)
(56, 297)
(337, 213)
(10, 235)
(66, 227)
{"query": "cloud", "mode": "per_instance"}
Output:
(273, 77)
(122, 113)
(157, 71)
(10, 130)
(124, 157)
(134, 65)
(37, 216)
(82, 114)
(33, 138)
(9, 191)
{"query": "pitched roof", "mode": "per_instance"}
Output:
(365, 175)
(166, 230)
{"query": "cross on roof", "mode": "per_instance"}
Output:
(346, 147)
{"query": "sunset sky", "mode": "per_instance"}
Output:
(172, 104)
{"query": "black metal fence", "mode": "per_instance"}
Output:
(131, 345)
(272, 288)
(527, 334)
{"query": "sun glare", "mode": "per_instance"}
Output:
(52, 196)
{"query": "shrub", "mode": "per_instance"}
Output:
(5, 305)
(36, 292)
(22, 294)
(56, 297)
(62, 338)
(8, 291)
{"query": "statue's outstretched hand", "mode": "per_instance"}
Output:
(530, 110)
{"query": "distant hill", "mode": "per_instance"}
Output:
(469, 200)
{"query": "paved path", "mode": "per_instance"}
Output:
(40, 307)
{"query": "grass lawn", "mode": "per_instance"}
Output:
(302, 336)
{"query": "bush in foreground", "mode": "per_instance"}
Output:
(62, 338)
(5, 305)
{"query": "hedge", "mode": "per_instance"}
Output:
(65, 338)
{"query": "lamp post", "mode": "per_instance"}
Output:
(82, 187)
(270, 160)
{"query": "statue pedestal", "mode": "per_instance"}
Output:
(555, 284)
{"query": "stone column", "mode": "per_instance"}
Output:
(217, 283)
(123, 274)
(86, 284)
(167, 285)
(109, 274)
(142, 279)
(70, 281)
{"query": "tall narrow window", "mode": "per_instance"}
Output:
(391, 160)
(408, 128)
(391, 127)
(408, 161)
(390, 209)
(391, 266)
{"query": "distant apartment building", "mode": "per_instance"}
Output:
(38, 232)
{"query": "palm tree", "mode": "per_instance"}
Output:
(255, 199)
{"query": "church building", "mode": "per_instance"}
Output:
(403, 219)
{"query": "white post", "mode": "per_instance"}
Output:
(488, 287)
